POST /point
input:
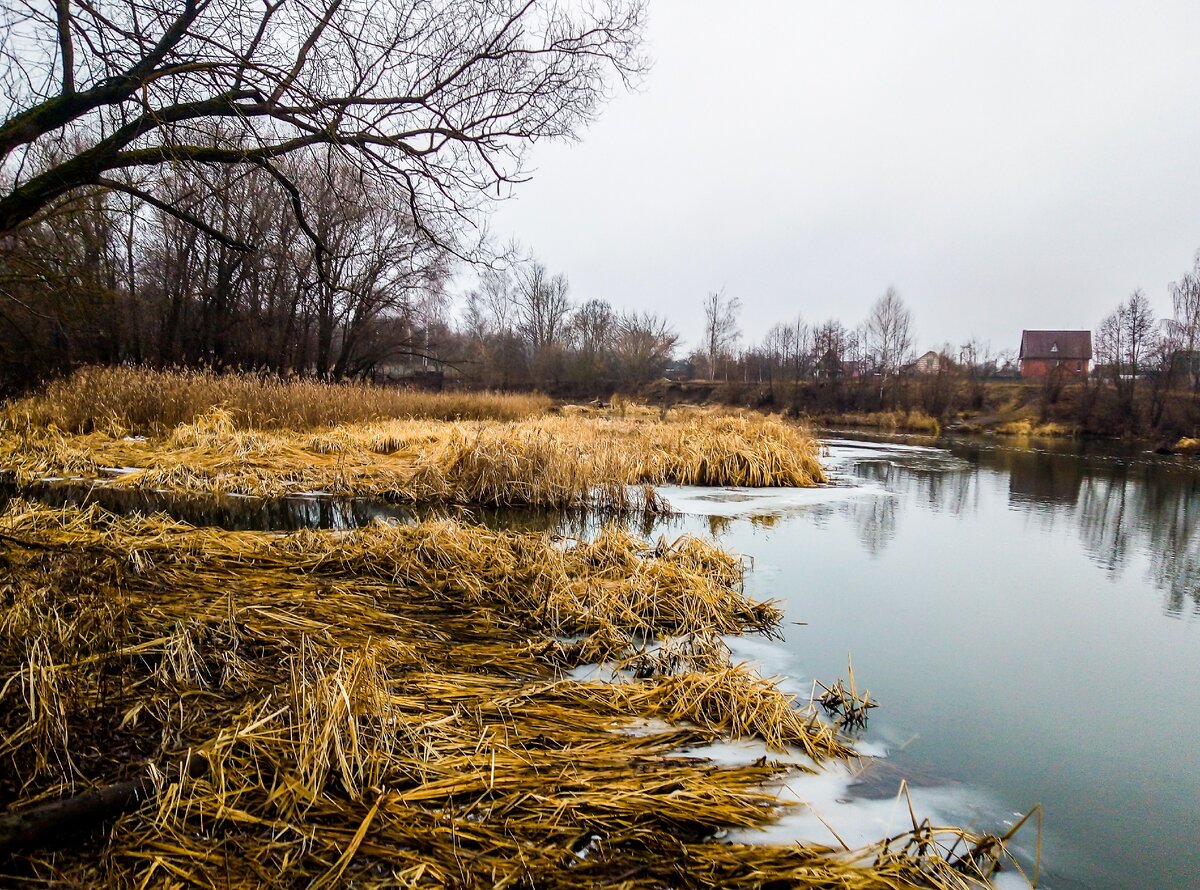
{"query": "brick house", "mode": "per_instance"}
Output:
(1067, 352)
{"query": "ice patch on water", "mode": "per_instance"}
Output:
(734, 502)
(605, 672)
(860, 446)
(743, 752)
(827, 810)
(640, 726)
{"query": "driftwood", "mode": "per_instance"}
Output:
(83, 814)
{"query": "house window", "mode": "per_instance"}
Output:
(1079, 366)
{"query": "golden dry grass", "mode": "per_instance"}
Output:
(1187, 445)
(136, 401)
(556, 461)
(1031, 428)
(385, 708)
(892, 421)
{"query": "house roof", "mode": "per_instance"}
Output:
(1056, 344)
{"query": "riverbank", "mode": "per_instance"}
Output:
(928, 404)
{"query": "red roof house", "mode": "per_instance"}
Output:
(1063, 352)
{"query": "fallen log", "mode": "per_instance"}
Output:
(71, 817)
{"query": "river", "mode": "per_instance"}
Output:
(1029, 618)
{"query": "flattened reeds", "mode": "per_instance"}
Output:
(369, 709)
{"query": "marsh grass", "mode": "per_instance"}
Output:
(555, 461)
(387, 708)
(892, 421)
(1187, 445)
(1031, 428)
(137, 401)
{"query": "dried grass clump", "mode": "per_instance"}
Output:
(123, 401)
(734, 702)
(912, 421)
(733, 450)
(1187, 445)
(556, 462)
(368, 709)
(1029, 428)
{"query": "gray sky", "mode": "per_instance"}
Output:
(1004, 165)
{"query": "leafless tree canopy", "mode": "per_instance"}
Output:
(1184, 328)
(1125, 342)
(888, 333)
(721, 331)
(434, 98)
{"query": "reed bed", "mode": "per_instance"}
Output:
(554, 461)
(387, 708)
(139, 401)
(891, 421)
(1029, 428)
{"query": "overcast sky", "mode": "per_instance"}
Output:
(1004, 165)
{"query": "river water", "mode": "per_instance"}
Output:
(1029, 618)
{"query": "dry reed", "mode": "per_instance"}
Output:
(136, 401)
(1029, 428)
(370, 709)
(892, 421)
(557, 461)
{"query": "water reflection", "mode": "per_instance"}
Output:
(237, 513)
(1120, 505)
(875, 520)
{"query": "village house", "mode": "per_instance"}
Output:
(1064, 352)
(932, 362)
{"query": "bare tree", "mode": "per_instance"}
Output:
(979, 363)
(432, 99)
(542, 306)
(887, 335)
(643, 346)
(721, 332)
(542, 310)
(1184, 328)
(1125, 340)
(593, 330)
(833, 344)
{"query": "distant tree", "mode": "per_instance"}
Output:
(499, 355)
(592, 333)
(643, 347)
(887, 335)
(1183, 329)
(978, 363)
(497, 298)
(833, 343)
(1125, 341)
(543, 306)
(796, 345)
(721, 331)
